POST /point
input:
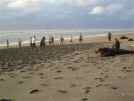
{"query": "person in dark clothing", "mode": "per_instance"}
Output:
(20, 43)
(7, 43)
(52, 40)
(116, 45)
(61, 39)
(80, 38)
(109, 36)
(71, 39)
(42, 42)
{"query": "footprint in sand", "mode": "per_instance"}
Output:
(42, 77)
(44, 84)
(58, 71)
(84, 99)
(34, 91)
(20, 82)
(26, 77)
(87, 90)
(22, 71)
(58, 78)
(41, 74)
(100, 79)
(2, 79)
(5, 99)
(99, 85)
(12, 75)
(73, 85)
(72, 68)
(127, 69)
(114, 87)
(63, 91)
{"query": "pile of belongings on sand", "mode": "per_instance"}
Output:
(104, 52)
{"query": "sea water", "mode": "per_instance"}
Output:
(24, 35)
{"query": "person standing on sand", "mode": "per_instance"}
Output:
(7, 42)
(34, 41)
(61, 39)
(116, 45)
(52, 40)
(71, 39)
(109, 36)
(31, 42)
(80, 38)
(20, 43)
(42, 42)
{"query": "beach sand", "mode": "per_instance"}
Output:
(69, 72)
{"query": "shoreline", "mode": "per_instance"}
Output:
(86, 38)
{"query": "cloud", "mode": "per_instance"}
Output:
(25, 5)
(107, 9)
(64, 11)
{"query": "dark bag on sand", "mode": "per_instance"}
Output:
(112, 52)
(106, 52)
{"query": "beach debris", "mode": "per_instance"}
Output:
(34, 91)
(62, 91)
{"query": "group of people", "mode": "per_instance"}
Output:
(51, 40)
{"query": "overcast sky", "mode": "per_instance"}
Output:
(43, 14)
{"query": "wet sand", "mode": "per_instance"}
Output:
(70, 72)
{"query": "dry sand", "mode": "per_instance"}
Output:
(71, 72)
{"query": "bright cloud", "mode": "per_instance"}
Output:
(107, 9)
(73, 10)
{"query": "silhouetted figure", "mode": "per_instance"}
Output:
(52, 40)
(7, 43)
(109, 36)
(62, 40)
(42, 42)
(71, 39)
(30, 41)
(20, 43)
(116, 45)
(80, 38)
(33, 41)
